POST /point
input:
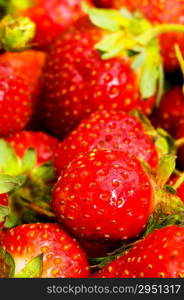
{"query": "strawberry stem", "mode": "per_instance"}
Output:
(149, 35)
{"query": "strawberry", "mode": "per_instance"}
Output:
(109, 130)
(89, 68)
(28, 65)
(28, 156)
(50, 16)
(158, 12)
(15, 104)
(99, 194)
(96, 83)
(160, 254)
(3, 208)
(44, 250)
(170, 111)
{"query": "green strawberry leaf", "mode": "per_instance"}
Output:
(7, 264)
(165, 169)
(4, 212)
(9, 162)
(29, 160)
(8, 183)
(164, 142)
(45, 172)
(150, 70)
(111, 47)
(33, 269)
(161, 84)
(107, 19)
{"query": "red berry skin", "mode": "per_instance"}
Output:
(171, 111)
(52, 17)
(77, 81)
(44, 144)
(3, 202)
(159, 255)
(108, 130)
(104, 195)
(28, 65)
(158, 12)
(62, 255)
(15, 104)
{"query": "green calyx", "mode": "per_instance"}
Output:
(16, 33)
(164, 143)
(131, 35)
(28, 184)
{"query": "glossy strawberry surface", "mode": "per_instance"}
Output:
(158, 255)
(102, 195)
(108, 130)
(77, 81)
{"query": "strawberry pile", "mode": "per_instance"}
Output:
(91, 139)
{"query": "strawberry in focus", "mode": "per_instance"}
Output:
(58, 255)
(108, 130)
(99, 194)
(158, 255)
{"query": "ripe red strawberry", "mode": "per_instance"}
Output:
(3, 208)
(28, 65)
(171, 111)
(158, 12)
(108, 130)
(29, 156)
(50, 16)
(160, 254)
(77, 81)
(62, 256)
(15, 103)
(99, 194)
